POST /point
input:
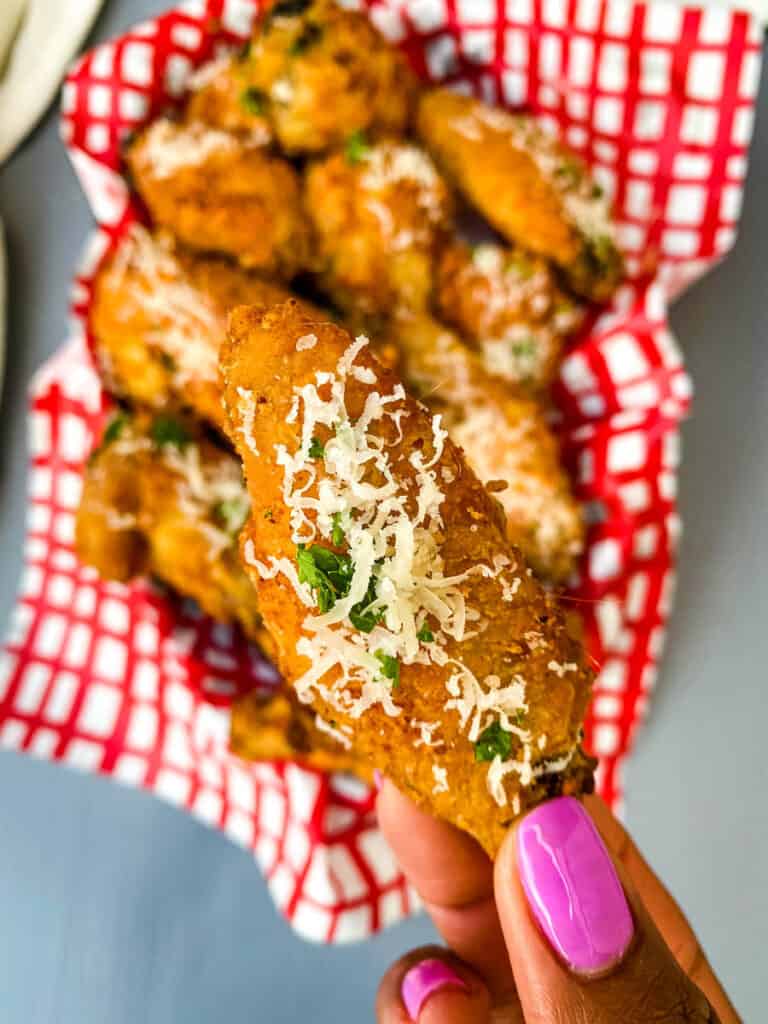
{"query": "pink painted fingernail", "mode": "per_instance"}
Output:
(423, 980)
(378, 780)
(572, 886)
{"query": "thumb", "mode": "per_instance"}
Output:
(581, 945)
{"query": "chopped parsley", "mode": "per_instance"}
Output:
(356, 147)
(269, 514)
(166, 430)
(254, 101)
(390, 668)
(525, 348)
(362, 616)
(337, 534)
(597, 191)
(425, 635)
(114, 428)
(569, 172)
(316, 448)
(329, 575)
(112, 432)
(307, 38)
(492, 742)
(232, 513)
(168, 362)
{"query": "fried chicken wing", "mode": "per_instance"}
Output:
(507, 304)
(220, 96)
(322, 73)
(504, 438)
(378, 214)
(397, 605)
(530, 187)
(158, 319)
(218, 192)
(277, 727)
(160, 498)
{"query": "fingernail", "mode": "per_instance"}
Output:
(378, 780)
(423, 980)
(572, 886)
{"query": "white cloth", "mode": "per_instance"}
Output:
(38, 39)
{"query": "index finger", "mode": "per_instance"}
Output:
(454, 878)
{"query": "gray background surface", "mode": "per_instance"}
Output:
(116, 908)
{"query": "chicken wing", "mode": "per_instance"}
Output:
(158, 319)
(507, 304)
(322, 73)
(398, 607)
(277, 727)
(530, 187)
(378, 214)
(506, 441)
(160, 498)
(218, 192)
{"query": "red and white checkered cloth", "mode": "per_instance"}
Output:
(123, 681)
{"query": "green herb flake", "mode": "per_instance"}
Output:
(306, 39)
(316, 448)
(493, 741)
(166, 430)
(168, 362)
(597, 191)
(269, 514)
(525, 348)
(425, 635)
(337, 534)
(232, 513)
(329, 575)
(254, 101)
(362, 616)
(114, 428)
(356, 148)
(390, 668)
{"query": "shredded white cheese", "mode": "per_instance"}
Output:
(306, 341)
(335, 733)
(441, 779)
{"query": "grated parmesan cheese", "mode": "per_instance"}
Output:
(306, 341)
(441, 779)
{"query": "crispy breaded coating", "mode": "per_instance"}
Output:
(529, 186)
(159, 316)
(397, 605)
(379, 213)
(504, 438)
(508, 305)
(158, 497)
(218, 192)
(324, 73)
(220, 96)
(276, 727)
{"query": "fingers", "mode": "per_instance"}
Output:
(666, 915)
(581, 949)
(430, 986)
(454, 879)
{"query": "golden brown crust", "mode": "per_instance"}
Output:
(217, 192)
(326, 73)
(223, 100)
(159, 316)
(521, 636)
(276, 727)
(378, 218)
(504, 438)
(507, 305)
(532, 189)
(172, 511)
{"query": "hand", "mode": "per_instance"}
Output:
(567, 928)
